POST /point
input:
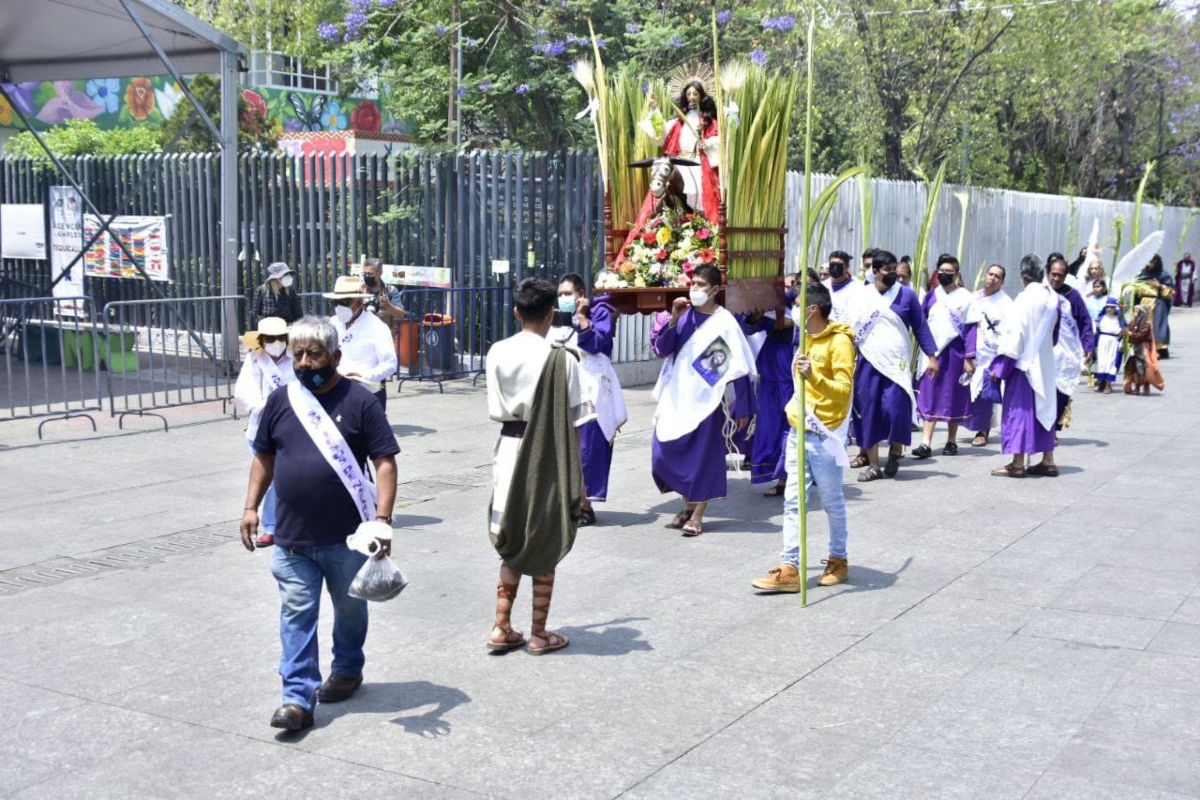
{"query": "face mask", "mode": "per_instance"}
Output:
(797, 316)
(837, 270)
(343, 313)
(698, 297)
(371, 281)
(314, 379)
(889, 279)
(566, 304)
(946, 278)
(285, 281)
(275, 349)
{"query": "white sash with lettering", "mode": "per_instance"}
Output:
(881, 336)
(948, 316)
(332, 446)
(833, 441)
(1068, 353)
(685, 395)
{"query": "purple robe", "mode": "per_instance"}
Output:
(944, 399)
(694, 465)
(596, 450)
(1020, 431)
(884, 408)
(775, 389)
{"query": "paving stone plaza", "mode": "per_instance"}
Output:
(1034, 638)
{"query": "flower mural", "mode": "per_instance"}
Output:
(139, 98)
(115, 103)
(67, 102)
(366, 117)
(333, 119)
(256, 101)
(167, 98)
(106, 93)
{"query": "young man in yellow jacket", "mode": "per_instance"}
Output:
(827, 368)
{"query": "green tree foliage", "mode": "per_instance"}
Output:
(82, 137)
(1069, 96)
(256, 133)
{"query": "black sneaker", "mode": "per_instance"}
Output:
(922, 451)
(892, 466)
(951, 449)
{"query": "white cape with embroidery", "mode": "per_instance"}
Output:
(685, 397)
(990, 313)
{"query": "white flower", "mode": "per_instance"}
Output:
(166, 98)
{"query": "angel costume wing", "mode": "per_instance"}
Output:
(1133, 261)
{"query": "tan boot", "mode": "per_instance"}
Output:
(784, 578)
(836, 571)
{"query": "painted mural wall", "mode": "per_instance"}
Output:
(124, 102)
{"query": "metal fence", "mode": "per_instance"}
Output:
(1002, 226)
(447, 332)
(51, 364)
(166, 353)
(540, 212)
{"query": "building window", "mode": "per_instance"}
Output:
(278, 71)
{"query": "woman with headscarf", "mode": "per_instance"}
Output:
(1141, 369)
(1154, 287)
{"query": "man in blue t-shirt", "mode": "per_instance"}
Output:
(315, 513)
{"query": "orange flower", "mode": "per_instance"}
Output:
(139, 96)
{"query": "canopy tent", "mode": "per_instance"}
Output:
(47, 40)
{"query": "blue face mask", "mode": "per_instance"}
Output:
(566, 304)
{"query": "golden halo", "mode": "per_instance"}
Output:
(682, 76)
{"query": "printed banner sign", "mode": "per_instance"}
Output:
(144, 237)
(66, 242)
(430, 277)
(23, 231)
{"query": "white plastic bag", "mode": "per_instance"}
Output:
(379, 579)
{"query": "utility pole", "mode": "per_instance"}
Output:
(453, 114)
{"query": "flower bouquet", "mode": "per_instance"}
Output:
(664, 254)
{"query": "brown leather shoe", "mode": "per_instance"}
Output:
(337, 688)
(836, 571)
(784, 578)
(292, 717)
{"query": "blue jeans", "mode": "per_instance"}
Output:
(266, 514)
(299, 571)
(819, 466)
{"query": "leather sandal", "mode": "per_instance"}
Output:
(859, 461)
(922, 451)
(512, 641)
(692, 528)
(1045, 470)
(870, 474)
(554, 641)
(951, 449)
(774, 491)
(587, 517)
(680, 519)
(1009, 471)
(980, 440)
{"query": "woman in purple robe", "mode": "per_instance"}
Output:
(944, 397)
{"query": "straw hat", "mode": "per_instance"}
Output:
(347, 287)
(267, 326)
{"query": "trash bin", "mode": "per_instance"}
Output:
(437, 342)
(406, 336)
